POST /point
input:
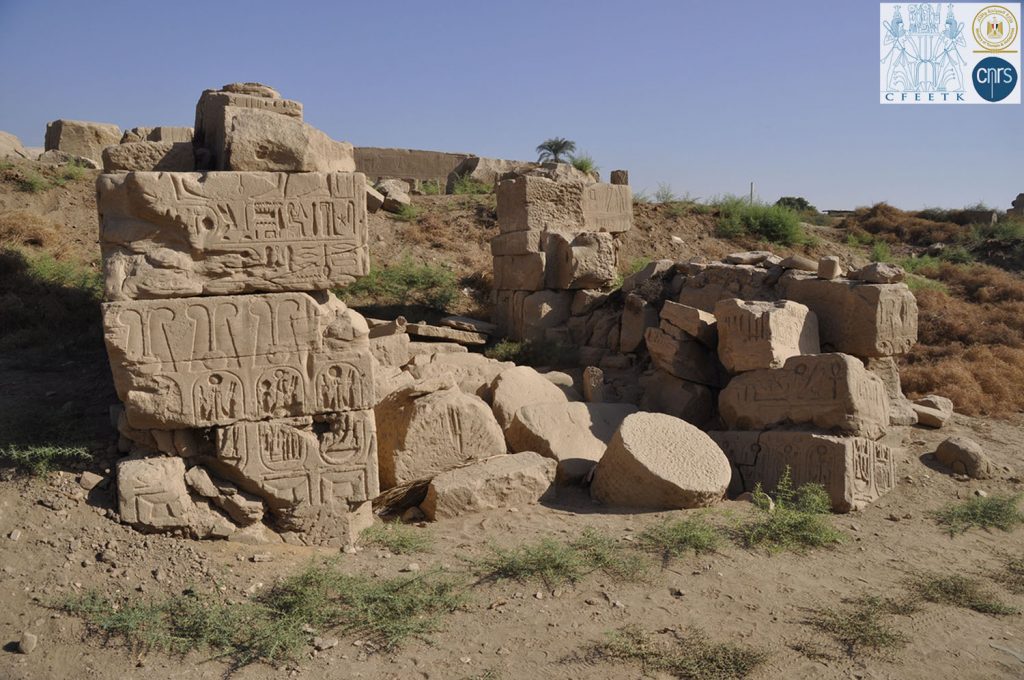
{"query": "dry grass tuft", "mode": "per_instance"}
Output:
(896, 226)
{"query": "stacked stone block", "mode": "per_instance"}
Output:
(228, 351)
(557, 237)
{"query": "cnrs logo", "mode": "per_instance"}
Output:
(994, 78)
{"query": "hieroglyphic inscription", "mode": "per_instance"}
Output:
(198, 362)
(855, 471)
(290, 467)
(607, 207)
(180, 234)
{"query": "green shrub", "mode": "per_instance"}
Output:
(959, 591)
(863, 625)
(880, 252)
(664, 193)
(405, 283)
(398, 538)
(796, 204)
(407, 213)
(796, 520)
(996, 511)
(585, 163)
(1011, 575)
(33, 183)
(466, 185)
(672, 539)
(773, 223)
(431, 188)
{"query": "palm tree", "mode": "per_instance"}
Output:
(553, 149)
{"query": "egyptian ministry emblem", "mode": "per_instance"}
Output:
(922, 51)
(995, 28)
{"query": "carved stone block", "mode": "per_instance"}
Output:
(182, 234)
(213, 115)
(199, 362)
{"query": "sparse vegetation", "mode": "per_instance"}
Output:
(584, 162)
(672, 539)
(398, 538)
(959, 591)
(691, 655)
(536, 353)
(797, 521)
(554, 149)
(1011, 575)
(776, 224)
(864, 625)
(880, 252)
(431, 187)
(404, 283)
(555, 563)
(407, 213)
(272, 627)
(467, 186)
(996, 511)
(36, 179)
(664, 194)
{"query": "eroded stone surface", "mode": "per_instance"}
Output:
(698, 324)
(587, 260)
(854, 471)
(518, 387)
(216, 108)
(182, 234)
(502, 481)
(964, 456)
(198, 362)
(824, 390)
(528, 203)
(754, 335)
(149, 156)
(81, 138)
(264, 141)
(660, 462)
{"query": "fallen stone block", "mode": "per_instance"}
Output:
(216, 108)
(199, 362)
(664, 393)
(575, 434)
(518, 387)
(544, 310)
(149, 157)
(753, 335)
(422, 435)
(676, 353)
(464, 323)
(638, 316)
(503, 481)
(800, 263)
(182, 234)
(391, 350)
(829, 268)
(854, 471)
(374, 199)
(698, 324)
(423, 330)
(879, 272)
(263, 141)
(81, 138)
(474, 373)
(660, 462)
(748, 257)
(964, 456)
(830, 391)
(586, 260)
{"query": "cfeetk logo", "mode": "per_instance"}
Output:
(957, 53)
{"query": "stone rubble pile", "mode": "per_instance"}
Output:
(247, 387)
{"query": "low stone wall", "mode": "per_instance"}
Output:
(408, 164)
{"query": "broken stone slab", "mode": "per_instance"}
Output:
(503, 481)
(660, 462)
(865, 320)
(149, 156)
(519, 272)
(160, 133)
(753, 335)
(575, 434)
(664, 393)
(748, 257)
(854, 471)
(396, 195)
(152, 496)
(518, 243)
(390, 350)
(585, 260)
(544, 310)
(800, 263)
(243, 508)
(638, 315)
(423, 330)
(216, 108)
(676, 353)
(422, 435)
(518, 387)
(199, 362)
(335, 525)
(829, 391)
(528, 203)
(474, 373)
(900, 408)
(381, 327)
(879, 272)
(427, 348)
(829, 268)
(964, 456)
(81, 138)
(182, 234)
(263, 141)
(374, 199)
(464, 323)
(933, 410)
(593, 385)
(652, 270)
(698, 324)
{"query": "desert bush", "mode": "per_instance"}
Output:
(36, 441)
(864, 625)
(404, 283)
(894, 225)
(398, 538)
(672, 539)
(466, 185)
(584, 162)
(431, 187)
(664, 193)
(407, 213)
(691, 655)
(776, 224)
(1011, 575)
(880, 252)
(796, 204)
(988, 512)
(796, 520)
(959, 591)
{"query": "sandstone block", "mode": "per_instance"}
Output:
(854, 471)
(424, 435)
(499, 482)
(593, 385)
(575, 434)
(374, 199)
(830, 391)
(543, 310)
(619, 177)
(698, 324)
(705, 285)
(638, 315)
(415, 164)
(528, 203)
(391, 350)
(81, 138)
(465, 323)
(507, 314)
(676, 353)
(664, 393)
(160, 133)
(933, 410)
(879, 272)
(754, 335)
(800, 263)
(149, 156)
(865, 320)
(216, 108)
(518, 387)
(585, 301)
(519, 272)
(182, 234)
(748, 257)
(199, 362)
(660, 462)
(964, 456)
(517, 243)
(587, 260)
(473, 373)
(263, 141)
(486, 171)
(653, 270)
(422, 330)
(829, 268)
(331, 525)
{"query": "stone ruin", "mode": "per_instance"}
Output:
(256, 406)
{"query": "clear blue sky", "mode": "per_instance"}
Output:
(703, 96)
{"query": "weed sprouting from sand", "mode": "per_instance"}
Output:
(797, 519)
(864, 625)
(672, 539)
(996, 511)
(401, 539)
(274, 626)
(407, 213)
(691, 655)
(1011, 575)
(405, 283)
(555, 563)
(959, 591)
(466, 185)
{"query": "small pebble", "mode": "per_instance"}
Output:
(981, 493)
(27, 642)
(324, 643)
(411, 567)
(14, 535)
